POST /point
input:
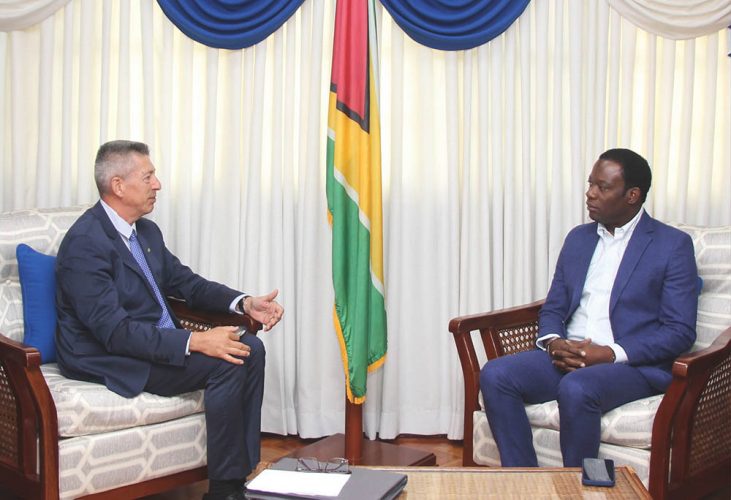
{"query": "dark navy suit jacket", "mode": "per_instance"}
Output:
(107, 310)
(654, 300)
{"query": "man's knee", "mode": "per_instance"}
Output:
(258, 352)
(576, 390)
(494, 374)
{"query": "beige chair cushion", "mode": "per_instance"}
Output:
(98, 462)
(11, 310)
(87, 408)
(41, 228)
(628, 425)
(713, 257)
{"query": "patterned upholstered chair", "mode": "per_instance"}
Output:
(62, 438)
(680, 443)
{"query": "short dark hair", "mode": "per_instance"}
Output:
(635, 169)
(112, 160)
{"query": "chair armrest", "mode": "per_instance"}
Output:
(201, 320)
(28, 423)
(505, 331)
(691, 437)
(19, 353)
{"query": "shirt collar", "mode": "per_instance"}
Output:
(121, 225)
(620, 232)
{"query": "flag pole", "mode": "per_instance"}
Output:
(353, 432)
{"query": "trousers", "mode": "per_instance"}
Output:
(233, 397)
(510, 382)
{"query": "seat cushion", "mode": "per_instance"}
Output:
(87, 408)
(628, 425)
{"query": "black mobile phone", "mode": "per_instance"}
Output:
(597, 472)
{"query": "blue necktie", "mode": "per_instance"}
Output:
(134, 245)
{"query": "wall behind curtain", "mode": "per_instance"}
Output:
(485, 159)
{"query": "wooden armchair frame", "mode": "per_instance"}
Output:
(691, 434)
(29, 425)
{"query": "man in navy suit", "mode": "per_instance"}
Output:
(621, 307)
(113, 273)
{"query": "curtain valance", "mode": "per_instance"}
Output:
(21, 14)
(675, 19)
(454, 24)
(229, 24)
(440, 24)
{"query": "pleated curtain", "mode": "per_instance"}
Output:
(486, 153)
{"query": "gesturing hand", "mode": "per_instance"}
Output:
(220, 342)
(264, 309)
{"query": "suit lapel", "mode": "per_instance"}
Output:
(588, 246)
(120, 246)
(641, 238)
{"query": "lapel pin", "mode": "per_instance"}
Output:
(148, 249)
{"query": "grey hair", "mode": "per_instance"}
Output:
(112, 160)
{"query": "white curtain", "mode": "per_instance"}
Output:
(485, 159)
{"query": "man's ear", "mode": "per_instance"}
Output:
(117, 186)
(633, 195)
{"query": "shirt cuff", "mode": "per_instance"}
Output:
(187, 344)
(232, 307)
(620, 356)
(542, 341)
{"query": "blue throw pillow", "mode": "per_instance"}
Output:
(38, 287)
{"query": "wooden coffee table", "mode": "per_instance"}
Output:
(496, 482)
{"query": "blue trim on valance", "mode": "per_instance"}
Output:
(439, 24)
(454, 24)
(229, 24)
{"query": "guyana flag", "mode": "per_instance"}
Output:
(354, 196)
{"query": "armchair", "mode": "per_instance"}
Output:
(62, 438)
(680, 442)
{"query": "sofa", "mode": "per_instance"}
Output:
(679, 443)
(62, 438)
